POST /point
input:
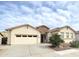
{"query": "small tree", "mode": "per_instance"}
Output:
(55, 40)
(74, 44)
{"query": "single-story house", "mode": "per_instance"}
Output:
(66, 33)
(27, 34)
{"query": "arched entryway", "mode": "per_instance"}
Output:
(44, 33)
(43, 38)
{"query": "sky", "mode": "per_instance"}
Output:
(50, 13)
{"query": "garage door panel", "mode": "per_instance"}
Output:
(32, 40)
(25, 40)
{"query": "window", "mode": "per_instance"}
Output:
(18, 35)
(29, 35)
(24, 35)
(34, 35)
(71, 35)
(62, 34)
(67, 35)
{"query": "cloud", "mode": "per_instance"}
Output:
(53, 14)
(26, 10)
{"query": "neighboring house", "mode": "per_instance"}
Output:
(44, 33)
(24, 34)
(66, 33)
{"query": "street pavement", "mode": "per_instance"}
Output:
(41, 50)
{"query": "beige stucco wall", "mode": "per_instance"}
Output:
(25, 40)
(67, 40)
(9, 37)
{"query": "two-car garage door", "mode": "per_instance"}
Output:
(26, 39)
(25, 35)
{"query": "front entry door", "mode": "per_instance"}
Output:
(43, 38)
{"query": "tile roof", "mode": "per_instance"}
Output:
(42, 29)
(20, 26)
(59, 28)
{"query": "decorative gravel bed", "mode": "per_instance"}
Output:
(60, 49)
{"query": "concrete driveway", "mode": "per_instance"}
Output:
(41, 50)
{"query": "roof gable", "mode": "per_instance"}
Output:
(43, 29)
(42, 26)
(58, 29)
(9, 29)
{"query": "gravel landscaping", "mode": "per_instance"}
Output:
(61, 49)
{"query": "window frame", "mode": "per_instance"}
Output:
(29, 35)
(24, 35)
(62, 34)
(18, 35)
(34, 35)
(71, 35)
(67, 34)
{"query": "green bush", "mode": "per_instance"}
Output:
(74, 44)
(55, 40)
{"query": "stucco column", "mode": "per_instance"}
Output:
(9, 37)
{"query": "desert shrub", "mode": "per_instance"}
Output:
(55, 40)
(74, 44)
